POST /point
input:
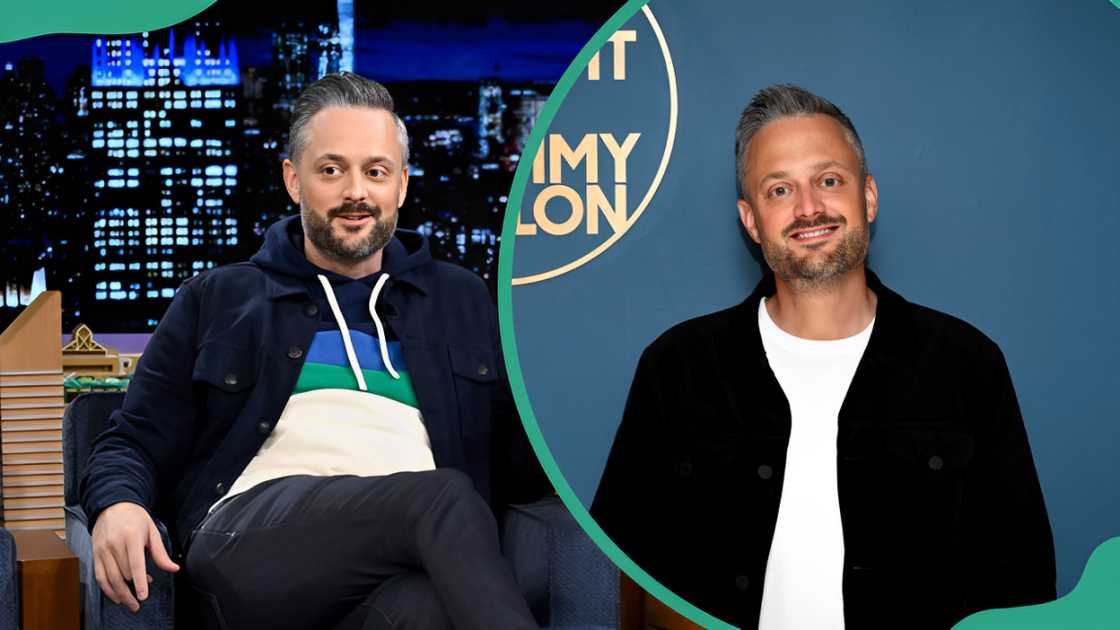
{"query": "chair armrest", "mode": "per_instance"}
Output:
(9, 582)
(99, 612)
(567, 580)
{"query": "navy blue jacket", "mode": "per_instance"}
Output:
(223, 361)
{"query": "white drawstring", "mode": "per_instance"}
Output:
(381, 329)
(345, 330)
(353, 358)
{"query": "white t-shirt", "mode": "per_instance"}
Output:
(804, 575)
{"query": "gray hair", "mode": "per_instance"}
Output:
(784, 101)
(344, 89)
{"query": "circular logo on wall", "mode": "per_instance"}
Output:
(602, 160)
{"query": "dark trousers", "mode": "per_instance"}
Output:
(409, 550)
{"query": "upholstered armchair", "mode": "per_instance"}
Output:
(9, 584)
(569, 583)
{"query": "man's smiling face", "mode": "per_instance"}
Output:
(810, 204)
(349, 182)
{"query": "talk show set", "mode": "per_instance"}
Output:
(583, 316)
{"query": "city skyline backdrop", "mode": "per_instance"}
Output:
(129, 163)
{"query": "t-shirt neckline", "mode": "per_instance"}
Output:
(770, 332)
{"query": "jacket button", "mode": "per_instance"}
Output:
(231, 379)
(311, 309)
(684, 467)
(483, 370)
(264, 428)
(935, 463)
(742, 582)
(220, 489)
(765, 472)
(295, 352)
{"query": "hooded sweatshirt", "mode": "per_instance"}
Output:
(354, 410)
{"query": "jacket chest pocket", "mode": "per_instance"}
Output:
(475, 373)
(929, 452)
(224, 376)
(924, 476)
(707, 468)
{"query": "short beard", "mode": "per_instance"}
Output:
(319, 232)
(808, 273)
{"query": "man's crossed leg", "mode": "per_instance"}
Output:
(409, 550)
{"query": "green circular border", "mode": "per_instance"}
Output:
(52, 17)
(509, 339)
(1086, 605)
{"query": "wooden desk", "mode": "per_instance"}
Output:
(49, 588)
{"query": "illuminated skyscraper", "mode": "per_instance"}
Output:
(328, 50)
(77, 93)
(165, 129)
(346, 34)
(31, 176)
(526, 105)
(490, 108)
(290, 50)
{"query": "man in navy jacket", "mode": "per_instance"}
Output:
(323, 426)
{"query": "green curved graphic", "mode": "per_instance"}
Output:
(31, 18)
(1093, 604)
(509, 342)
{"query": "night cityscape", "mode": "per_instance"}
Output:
(129, 163)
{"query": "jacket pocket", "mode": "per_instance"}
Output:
(922, 488)
(475, 373)
(224, 376)
(933, 452)
(915, 520)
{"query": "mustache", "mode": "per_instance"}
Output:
(354, 208)
(805, 224)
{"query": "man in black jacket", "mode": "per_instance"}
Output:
(825, 454)
(323, 426)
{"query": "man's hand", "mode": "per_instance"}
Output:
(122, 532)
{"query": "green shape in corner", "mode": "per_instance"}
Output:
(1091, 605)
(21, 19)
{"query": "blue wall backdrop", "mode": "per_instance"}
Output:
(992, 131)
